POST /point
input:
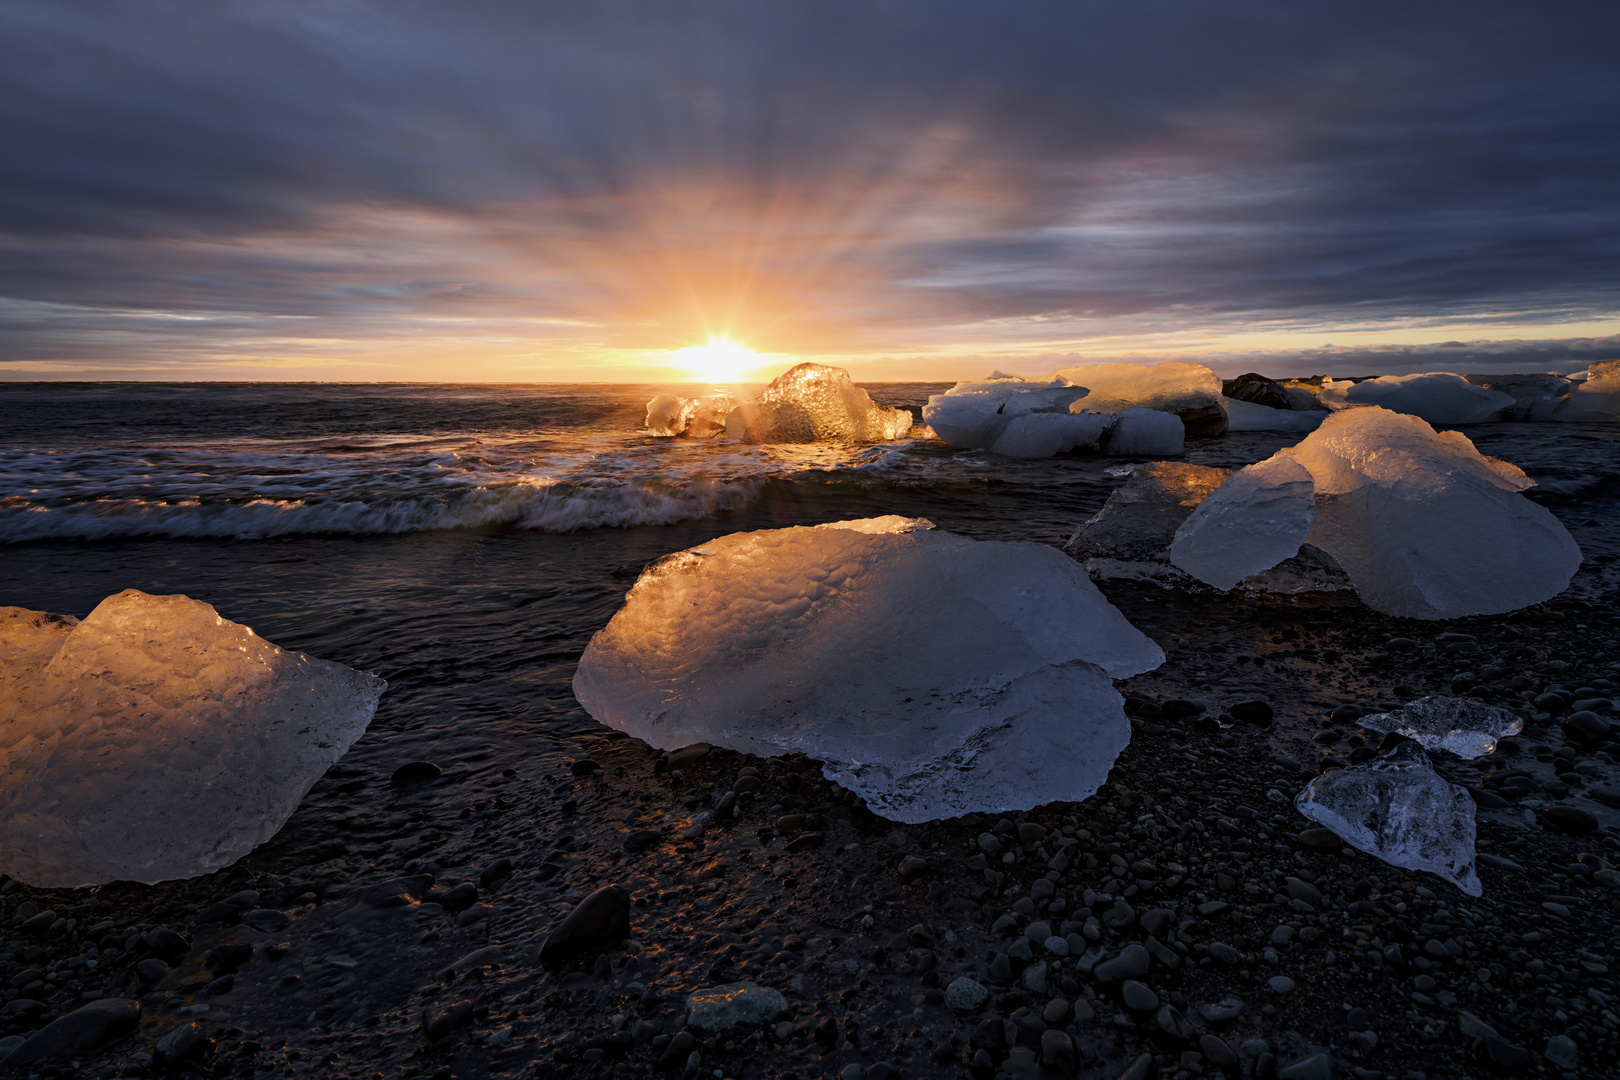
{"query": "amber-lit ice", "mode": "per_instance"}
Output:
(158, 740)
(932, 674)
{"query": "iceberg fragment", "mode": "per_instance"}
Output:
(1398, 809)
(669, 415)
(1425, 525)
(1043, 434)
(810, 402)
(930, 673)
(1436, 396)
(1535, 397)
(1247, 416)
(971, 415)
(161, 741)
(1130, 535)
(1014, 417)
(1598, 398)
(1140, 432)
(1252, 522)
(1191, 391)
(1462, 726)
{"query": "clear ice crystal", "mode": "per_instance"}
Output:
(1398, 809)
(1252, 522)
(669, 416)
(931, 674)
(1130, 535)
(1438, 397)
(159, 741)
(811, 402)
(1462, 726)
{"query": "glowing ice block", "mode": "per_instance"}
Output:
(161, 741)
(931, 674)
(1438, 397)
(811, 402)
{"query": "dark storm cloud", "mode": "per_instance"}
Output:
(887, 166)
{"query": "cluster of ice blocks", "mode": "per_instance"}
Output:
(1441, 397)
(806, 403)
(1423, 524)
(155, 740)
(932, 674)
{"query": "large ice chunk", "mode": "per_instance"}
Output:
(1398, 809)
(1247, 416)
(810, 402)
(1436, 396)
(1462, 726)
(1250, 523)
(161, 741)
(932, 674)
(971, 415)
(1191, 391)
(1598, 398)
(1015, 417)
(1043, 434)
(1130, 536)
(1535, 397)
(1141, 432)
(669, 415)
(1425, 525)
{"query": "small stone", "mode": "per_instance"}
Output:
(1561, 1051)
(182, 1044)
(1217, 1051)
(1280, 984)
(1131, 963)
(1034, 977)
(415, 772)
(911, 868)
(1302, 890)
(1315, 1067)
(84, 1029)
(1031, 832)
(398, 893)
(266, 920)
(1173, 1024)
(151, 971)
(1119, 916)
(1320, 840)
(1569, 819)
(965, 995)
(601, 919)
(1156, 922)
(1038, 932)
(1138, 997)
(1282, 935)
(1472, 1027)
(804, 842)
(721, 1008)
(1225, 954)
(495, 872)
(1056, 946)
(989, 844)
(641, 840)
(1056, 1011)
(1228, 1008)
(439, 1020)
(1057, 1052)
(462, 896)
(1586, 727)
(583, 767)
(1504, 1055)
(1254, 711)
(167, 943)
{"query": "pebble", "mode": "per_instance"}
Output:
(1057, 1052)
(1217, 1051)
(1034, 977)
(601, 919)
(1320, 840)
(1120, 916)
(1173, 1024)
(1038, 932)
(1506, 1056)
(989, 844)
(1056, 946)
(1228, 1008)
(439, 1020)
(182, 1044)
(151, 971)
(1255, 711)
(1302, 890)
(1138, 997)
(415, 772)
(721, 1008)
(1056, 1011)
(964, 994)
(83, 1029)
(1315, 1067)
(1472, 1027)
(1225, 953)
(399, 892)
(1280, 984)
(1131, 963)
(1561, 1051)
(1031, 832)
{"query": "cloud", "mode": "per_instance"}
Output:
(185, 181)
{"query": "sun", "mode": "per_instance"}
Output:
(721, 360)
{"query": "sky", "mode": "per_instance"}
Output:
(349, 190)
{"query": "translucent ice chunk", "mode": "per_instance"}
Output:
(1145, 433)
(1398, 809)
(1437, 396)
(1598, 398)
(1043, 434)
(932, 674)
(1425, 525)
(1130, 536)
(1250, 523)
(1247, 416)
(28, 639)
(810, 402)
(1462, 726)
(669, 415)
(1535, 397)
(161, 741)
(1191, 391)
(973, 415)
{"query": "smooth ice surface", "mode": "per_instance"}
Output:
(811, 402)
(1426, 526)
(1437, 396)
(1398, 809)
(1172, 386)
(1130, 536)
(1247, 416)
(1042, 434)
(1252, 522)
(1598, 398)
(930, 673)
(1462, 726)
(161, 741)
(1142, 432)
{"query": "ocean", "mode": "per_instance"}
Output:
(465, 541)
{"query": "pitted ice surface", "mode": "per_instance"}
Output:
(932, 674)
(161, 741)
(1462, 726)
(811, 402)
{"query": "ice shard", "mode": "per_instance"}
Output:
(1130, 536)
(160, 741)
(1141, 432)
(1252, 522)
(669, 416)
(1191, 391)
(1438, 397)
(811, 402)
(1425, 525)
(931, 674)
(1247, 416)
(1461, 726)
(1398, 809)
